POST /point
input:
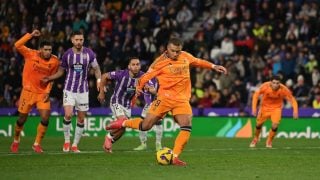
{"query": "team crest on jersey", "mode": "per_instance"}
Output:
(78, 67)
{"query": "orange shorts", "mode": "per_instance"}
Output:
(28, 99)
(274, 115)
(160, 107)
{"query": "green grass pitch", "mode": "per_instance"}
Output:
(207, 158)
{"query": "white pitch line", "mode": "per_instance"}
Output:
(28, 153)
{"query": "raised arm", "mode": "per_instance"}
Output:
(205, 64)
(19, 45)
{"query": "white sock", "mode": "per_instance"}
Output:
(143, 137)
(78, 134)
(66, 130)
(159, 131)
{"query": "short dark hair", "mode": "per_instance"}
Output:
(132, 58)
(76, 33)
(275, 77)
(175, 41)
(45, 43)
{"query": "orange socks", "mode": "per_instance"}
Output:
(17, 131)
(41, 131)
(271, 135)
(181, 140)
(133, 123)
(257, 133)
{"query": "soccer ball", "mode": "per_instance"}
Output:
(164, 156)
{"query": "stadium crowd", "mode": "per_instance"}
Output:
(253, 39)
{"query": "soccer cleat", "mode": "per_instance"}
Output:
(75, 149)
(107, 146)
(37, 149)
(141, 147)
(14, 148)
(177, 162)
(158, 146)
(269, 144)
(117, 124)
(253, 143)
(66, 147)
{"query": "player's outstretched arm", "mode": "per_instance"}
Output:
(57, 75)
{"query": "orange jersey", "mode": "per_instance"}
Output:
(35, 67)
(173, 75)
(273, 99)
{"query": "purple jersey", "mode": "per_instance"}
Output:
(125, 88)
(77, 67)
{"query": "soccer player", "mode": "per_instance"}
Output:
(172, 69)
(76, 61)
(273, 93)
(157, 127)
(120, 104)
(38, 64)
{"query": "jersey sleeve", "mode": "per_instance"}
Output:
(256, 95)
(196, 62)
(151, 73)
(22, 49)
(93, 59)
(114, 75)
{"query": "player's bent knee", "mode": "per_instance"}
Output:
(274, 129)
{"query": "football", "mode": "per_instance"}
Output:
(164, 156)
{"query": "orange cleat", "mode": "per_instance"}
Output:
(269, 144)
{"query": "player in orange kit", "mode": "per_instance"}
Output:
(172, 70)
(271, 107)
(38, 64)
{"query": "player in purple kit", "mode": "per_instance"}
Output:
(76, 61)
(124, 91)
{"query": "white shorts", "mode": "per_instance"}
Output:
(119, 110)
(79, 100)
(145, 110)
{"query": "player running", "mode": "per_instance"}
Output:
(273, 93)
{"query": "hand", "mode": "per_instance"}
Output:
(101, 97)
(150, 89)
(295, 115)
(36, 33)
(45, 80)
(221, 69)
